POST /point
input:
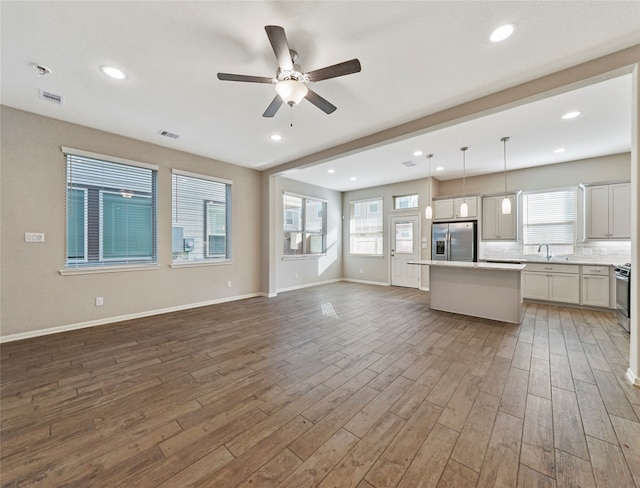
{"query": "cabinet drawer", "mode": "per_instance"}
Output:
(554, 268)
(595, 270)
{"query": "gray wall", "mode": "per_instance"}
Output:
(377, 269)
(293, 272)
(561, 175)
(34, 294)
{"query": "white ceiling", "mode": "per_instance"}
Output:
(418, 58)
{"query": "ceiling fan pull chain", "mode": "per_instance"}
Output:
(291, 112)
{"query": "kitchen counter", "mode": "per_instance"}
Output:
(551, 261)
(513, 266)
(486, 290)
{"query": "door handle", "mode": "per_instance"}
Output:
(393, 252)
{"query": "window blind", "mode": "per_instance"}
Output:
(201, 218)
(110, 212)
(366, 227)
(550, 217)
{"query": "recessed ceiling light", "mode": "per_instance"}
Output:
(570, 115)
(417, 153)
(331, 171)
(559, 150)
(439, 168)
(115, 73)
(501, 33)
(275, 137)
(353, 178)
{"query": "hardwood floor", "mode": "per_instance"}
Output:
(340, 385)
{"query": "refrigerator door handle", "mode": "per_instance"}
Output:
(448, 253)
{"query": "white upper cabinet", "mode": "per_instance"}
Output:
(449, 208)
(608, 211)
(496, 225)
(443, 209)
(472, 204)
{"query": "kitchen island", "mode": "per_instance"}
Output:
(486, 290)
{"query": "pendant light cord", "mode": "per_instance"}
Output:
(504, 140)
(464, 164)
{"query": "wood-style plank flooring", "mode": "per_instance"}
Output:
(340, 385)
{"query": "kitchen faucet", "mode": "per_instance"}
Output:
(549, 256)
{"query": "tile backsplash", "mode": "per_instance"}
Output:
(605, 252)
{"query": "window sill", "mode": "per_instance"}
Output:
(303, 256)
(106, 269)
(198, 264)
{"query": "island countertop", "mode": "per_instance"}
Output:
(466, 264)
(487, 290)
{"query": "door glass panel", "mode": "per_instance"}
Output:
(404, 238)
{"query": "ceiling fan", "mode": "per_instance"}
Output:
(291, 82)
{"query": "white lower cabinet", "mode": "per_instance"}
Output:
(535, 285)
(564, 288)
(594, 289)
(551, 282)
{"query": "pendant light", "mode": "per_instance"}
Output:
(428, 212)
(464, 208)
(506, 203)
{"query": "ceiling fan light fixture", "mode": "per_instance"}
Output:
(291, 91)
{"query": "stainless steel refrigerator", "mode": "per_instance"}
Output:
(454, 241)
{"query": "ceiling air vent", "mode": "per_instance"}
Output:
(166, 133)
(408, 164)
(51, 97)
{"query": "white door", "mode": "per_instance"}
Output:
(405, 247)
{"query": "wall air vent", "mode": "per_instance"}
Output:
(51, 97)
(408, 164)
(166, 133)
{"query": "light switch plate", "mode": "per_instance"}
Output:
(34, 237)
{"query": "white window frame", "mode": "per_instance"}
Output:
(303, 227)
(352, 212)
(396, 197)
(559, 248)
(78, 267)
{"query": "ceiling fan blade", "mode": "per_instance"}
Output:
(278, 40)
(324, 105)
(340, 69)
(247, 78)
(273, 107)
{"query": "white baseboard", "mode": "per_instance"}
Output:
(423, 288)
(365, 282)
(121, 318)
(631, 376)
(306, 285)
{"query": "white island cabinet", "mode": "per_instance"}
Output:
(486, 290)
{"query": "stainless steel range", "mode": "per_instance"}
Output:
(623, 293)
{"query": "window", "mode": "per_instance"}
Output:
(304, 225)
(405, 201)
(550, 218)
(201, 218)
(365, 227)
(110, 211)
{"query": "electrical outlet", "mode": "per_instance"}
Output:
(295, 275)
(99, 301)
(361, 271)
(228, 284)
(34, 237)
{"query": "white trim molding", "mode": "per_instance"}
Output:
(121, 318)
(631, 376)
